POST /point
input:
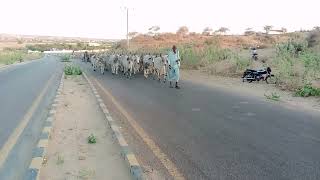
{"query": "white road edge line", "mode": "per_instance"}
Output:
(13, 138)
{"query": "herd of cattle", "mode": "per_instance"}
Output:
(129, 64)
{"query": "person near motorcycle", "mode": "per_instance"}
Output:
(254, 53)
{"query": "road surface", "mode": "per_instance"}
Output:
(26, 92)
(211, 133)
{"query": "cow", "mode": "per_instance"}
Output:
(114, 63)
(126, 64)
(160, 65)
(147, 65)
(136, 63)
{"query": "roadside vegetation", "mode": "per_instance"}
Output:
(66, 46)
(293, 57)
(10, 56)
(65, 58)
(297, 66)
(72, 70)
(307, 90)
(92, 139)
(273, 96)
(60, 160)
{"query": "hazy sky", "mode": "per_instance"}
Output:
(107, 18)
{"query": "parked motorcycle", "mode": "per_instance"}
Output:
(264, 74)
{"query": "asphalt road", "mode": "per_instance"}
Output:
(212, 133)
(20, 85)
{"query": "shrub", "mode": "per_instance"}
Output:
(72, 70)
(313, 38)
(12, 56)
(307, 90)
(65, 58)
(293, 48)
(273, 96)
(92, 139)
(295, 69)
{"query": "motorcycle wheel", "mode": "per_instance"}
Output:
(248, 78)
(271, 80)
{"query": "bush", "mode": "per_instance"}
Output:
(307, 90)
(214, 57)
(11, 56)
(65, 58)
(293, 48)
(273, 96)
(72, 70)
(313, 38)
(92, 139)
(296, 69)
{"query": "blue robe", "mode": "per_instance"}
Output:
(173, 74)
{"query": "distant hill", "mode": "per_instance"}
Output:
(38, 38)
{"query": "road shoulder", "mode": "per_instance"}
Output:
(257, 90)
(69, 155)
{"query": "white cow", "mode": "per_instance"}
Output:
(136, 63)
(97, 63)
(114, 63)
(93, 61)
(101, 64)
(126, 64)
(147, 65)
(160, 64)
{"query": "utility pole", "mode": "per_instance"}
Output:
(127, 9)
(127, 27)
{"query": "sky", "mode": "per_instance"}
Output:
(107, 18)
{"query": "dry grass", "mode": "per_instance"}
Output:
(293, 57)
(166, 40)
(12, 56)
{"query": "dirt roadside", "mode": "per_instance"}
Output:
(258, 90)
(69, 155)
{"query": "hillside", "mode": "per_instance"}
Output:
(228, 41)
(21, 41)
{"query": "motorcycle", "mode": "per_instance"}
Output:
(264, 74)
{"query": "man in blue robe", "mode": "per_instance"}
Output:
(174, 65)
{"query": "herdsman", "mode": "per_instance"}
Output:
(174, 65)
(86, 56)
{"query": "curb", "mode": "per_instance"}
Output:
(128, 155)
(39, 153)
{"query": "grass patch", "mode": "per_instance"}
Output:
(12, 56)
(273, 96)
(65, 58)
(60, 160)
(72, 70)
(307, 90)
(86, 174)
(92, 139)
(296, 65)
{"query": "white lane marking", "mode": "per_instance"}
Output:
(13, 138)
(243, 102)
(195, 109)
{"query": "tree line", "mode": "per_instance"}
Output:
(184, 30)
